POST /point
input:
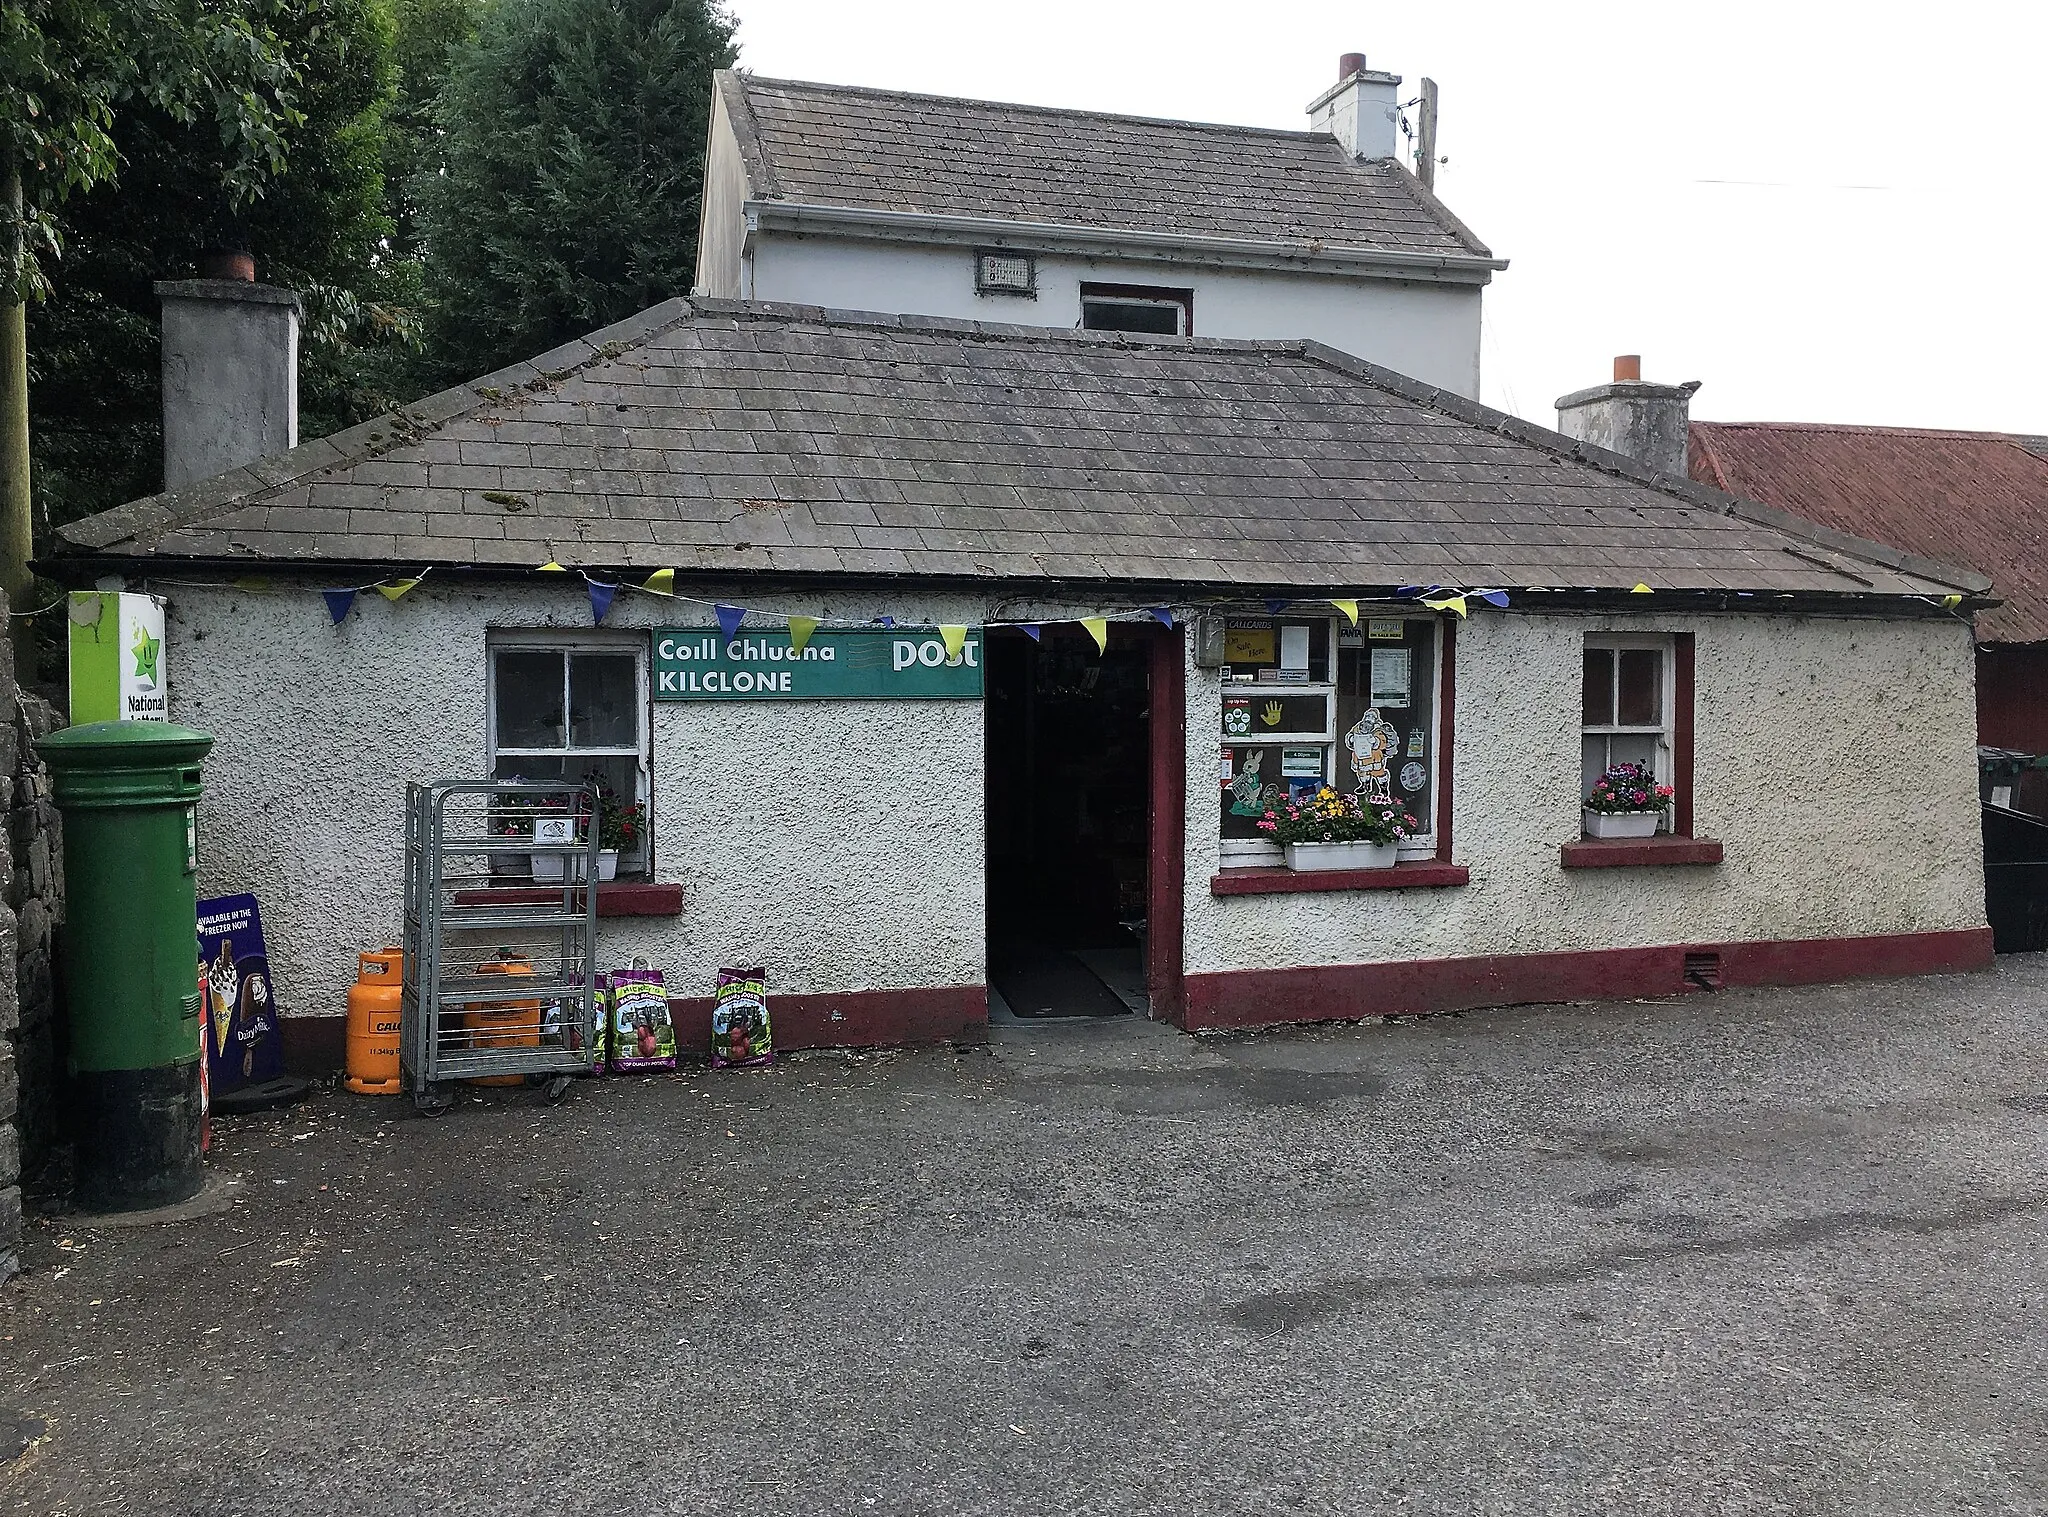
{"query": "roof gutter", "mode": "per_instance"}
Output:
(991, 231)
(80, 569)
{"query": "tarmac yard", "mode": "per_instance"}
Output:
(1744, 1252)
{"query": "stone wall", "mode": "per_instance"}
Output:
(10, 1032)
(32, 868)
(35, 895)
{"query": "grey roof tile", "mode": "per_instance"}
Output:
(1313, 474)
(834, 145)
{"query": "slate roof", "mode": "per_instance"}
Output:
(834, 145)
(721, 437)
(1960, 497)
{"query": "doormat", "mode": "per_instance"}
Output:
(1050, 982)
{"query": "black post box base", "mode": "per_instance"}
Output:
(138, 1137)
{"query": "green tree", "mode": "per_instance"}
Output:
(573, 164)
(69, 69)
(319, 228)
(429, 31)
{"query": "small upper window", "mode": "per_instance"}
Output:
(1137, 308)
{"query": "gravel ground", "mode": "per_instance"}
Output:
(1754, 1252)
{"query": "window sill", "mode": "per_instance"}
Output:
(615, 898)
(1422, 875)
(1639, 853)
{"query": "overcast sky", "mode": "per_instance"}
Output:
(1825, 211)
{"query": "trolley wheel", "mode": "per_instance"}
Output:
(431, 1100)
(558, 1087)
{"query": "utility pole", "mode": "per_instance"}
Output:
(1425, 136)
(16, 540)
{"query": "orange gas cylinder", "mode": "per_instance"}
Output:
(373, 1018)
(504, 1024)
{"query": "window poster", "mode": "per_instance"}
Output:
(1294, 650)
(244, 1044)
(1249, 645)
(1385, 709)
(1385, 629)
(1301, 763)
(1392, 678)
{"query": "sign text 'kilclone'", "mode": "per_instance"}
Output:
(879, 663)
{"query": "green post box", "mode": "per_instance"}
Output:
(129, 793)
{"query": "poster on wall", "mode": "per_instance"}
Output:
(244, 1043)
(118, 669)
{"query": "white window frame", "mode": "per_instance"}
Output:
(1665, 645)
(567, 643)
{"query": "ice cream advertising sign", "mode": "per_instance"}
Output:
(882, 663)
(117, 658)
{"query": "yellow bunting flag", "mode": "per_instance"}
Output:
(1349, 608)
(661, 581)
(396, 588)
(955, 639)
(551, 567)
(1098, 628)
(1640, 590)
(1447, 603)
(800, 630)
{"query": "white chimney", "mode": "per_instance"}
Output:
(230, 370)
(1644, 421)
(1362, 109)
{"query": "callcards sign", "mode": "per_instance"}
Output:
(693, 664)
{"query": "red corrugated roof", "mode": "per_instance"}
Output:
(1977, 499)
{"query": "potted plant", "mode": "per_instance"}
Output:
(619, 830)
(1626, 802)
(1325, 830)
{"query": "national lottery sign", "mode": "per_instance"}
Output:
(866, 664)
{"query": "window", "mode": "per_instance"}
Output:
(573, 708)
(1308, 703)
(1628, 708)
(1137, 308)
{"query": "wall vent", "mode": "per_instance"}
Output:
(1001, 273)
(1703, 971)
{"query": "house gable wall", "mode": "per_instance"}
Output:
(1427, 331)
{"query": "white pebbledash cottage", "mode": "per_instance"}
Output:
(1102, 597)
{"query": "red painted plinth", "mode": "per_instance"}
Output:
(853, 1019)
(1346, 992)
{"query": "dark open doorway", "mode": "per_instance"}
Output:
(1069, 806)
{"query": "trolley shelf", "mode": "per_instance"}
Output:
(501, 990)
(507, 916)
(497, 988)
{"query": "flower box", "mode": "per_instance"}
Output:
(1308, 856)
(1623, 824)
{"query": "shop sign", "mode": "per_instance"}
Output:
(117, 657)
(880, 663)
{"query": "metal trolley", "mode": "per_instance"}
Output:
(500, 935)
